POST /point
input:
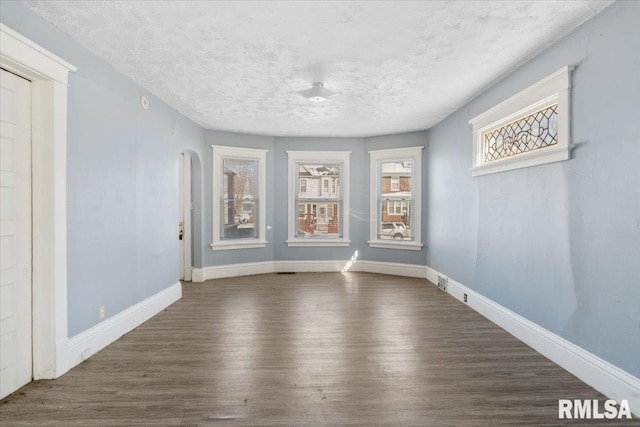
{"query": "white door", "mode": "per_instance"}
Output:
(15, 233)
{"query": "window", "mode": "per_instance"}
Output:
(319, 209)
(395, 183)
(238, 192)
(530, 128)
(396, 198)
(396, 207)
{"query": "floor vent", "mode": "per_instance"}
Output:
(286, 272)
(442, 282)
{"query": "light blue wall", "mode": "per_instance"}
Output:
(122, 180)
(558, 244)
(277, 198)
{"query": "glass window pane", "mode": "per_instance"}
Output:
(395, 223)
(319, 220)
(239, 202)
(395, 178)
(320, 180)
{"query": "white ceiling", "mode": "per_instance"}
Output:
(237, 66)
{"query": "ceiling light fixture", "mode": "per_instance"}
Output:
(318, 93)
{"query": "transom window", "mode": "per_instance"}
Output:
(318, 198)
(396, 198)
(530, 128)
(238, 192)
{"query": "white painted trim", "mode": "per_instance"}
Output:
(220, 152)
(232, 270)
(598, 373)
(333, 266)
(294, 157)
(245, 152)
(48, 75)
(225, 245)
(317, 243)
(553, 89)
(313, 266)
(26, 58)
(381, 244)
(603, 376)
(186, 203)
(89, 342)
(392, 268)
(376, 156)
(524, 160)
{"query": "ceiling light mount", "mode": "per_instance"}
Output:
(318, 93)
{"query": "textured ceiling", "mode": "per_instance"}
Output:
(237, 66)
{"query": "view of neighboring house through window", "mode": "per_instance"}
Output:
(318, 198)
(239, 201)
(395, 198)
(238, 191)
(319, 202)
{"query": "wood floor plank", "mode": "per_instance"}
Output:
(307, 349)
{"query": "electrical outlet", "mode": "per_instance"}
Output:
(101, 313)
(465, 297)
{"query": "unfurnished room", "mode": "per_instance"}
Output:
(319, 213)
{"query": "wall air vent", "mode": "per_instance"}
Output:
(442, 282)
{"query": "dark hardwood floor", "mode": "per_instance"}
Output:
(307, 349)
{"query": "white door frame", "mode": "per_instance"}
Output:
(49, 76)
(186, 266)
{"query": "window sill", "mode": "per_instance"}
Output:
(395, 245)
(225, 246)
(531, 158)
(318, 243)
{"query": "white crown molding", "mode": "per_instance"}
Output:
(89, 342)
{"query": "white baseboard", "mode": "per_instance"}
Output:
(236, 270)
(392, 268)
(89, 342)
(199, 275)
(598, 373)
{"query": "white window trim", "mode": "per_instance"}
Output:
(376, 156)
(315, 157)
(219, 153)
(553, 89)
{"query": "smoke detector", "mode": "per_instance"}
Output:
(318, 93)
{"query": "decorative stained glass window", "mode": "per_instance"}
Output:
(537, 130)
(530, 128)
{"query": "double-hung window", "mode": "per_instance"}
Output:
(395, 198)
(318, 198)
(238, 193)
